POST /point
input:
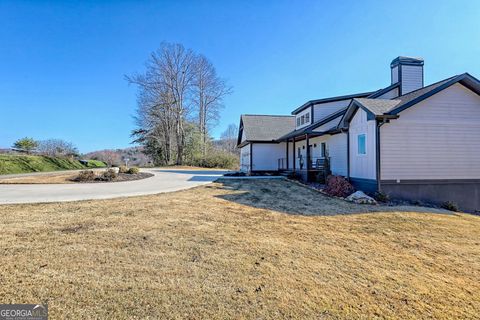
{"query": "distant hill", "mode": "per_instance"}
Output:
(135, 156)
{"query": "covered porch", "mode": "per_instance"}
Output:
(306, 155)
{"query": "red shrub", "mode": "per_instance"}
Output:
(338, 186)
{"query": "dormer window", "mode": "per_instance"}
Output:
(307, 118)
(303, 119)
(298, 122)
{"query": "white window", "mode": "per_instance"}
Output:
(307, 117)
(298, 122)
(303, 119)
(361, 144)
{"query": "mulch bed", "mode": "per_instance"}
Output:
(120, 177)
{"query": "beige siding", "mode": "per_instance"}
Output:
(439, 138)
(321, 111)
(412, 78)
(362, 166)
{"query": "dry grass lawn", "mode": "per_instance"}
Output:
(240, 250)
(41, 179)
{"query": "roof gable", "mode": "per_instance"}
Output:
(390, 108)
(331, 99)
(262, 128)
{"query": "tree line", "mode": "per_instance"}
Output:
(179, 99)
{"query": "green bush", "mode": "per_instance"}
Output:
(133, 170)
(123, 169)
(449, 205)
(216, 160)
(85, 176)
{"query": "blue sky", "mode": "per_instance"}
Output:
(62, 63)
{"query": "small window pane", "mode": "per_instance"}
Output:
(307, 117)
(298, 122)
(303, 119)
(362, 146)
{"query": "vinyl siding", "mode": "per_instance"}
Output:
(321, 111)
(390, 94)
(303, 113)
(265, 156)
(245, 158)
(395, 75)
(328, 125)
(439, 138)
(337, 150)
(362, 166)
(412, 78)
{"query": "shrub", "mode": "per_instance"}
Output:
(338, 186)
(381, 196)
(449, 205)
(123, 169)
(85, 175)
(108, 175)
(216, 160)
(133, 170)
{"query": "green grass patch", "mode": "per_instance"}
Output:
(10, 164)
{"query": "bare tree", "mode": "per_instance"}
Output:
(56, 148)
(208, 93)
(176, 82)
(229, 138)
(110, 157)
(163, 101)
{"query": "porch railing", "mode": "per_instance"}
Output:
(316, 163)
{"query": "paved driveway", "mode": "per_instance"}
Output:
(164, 180)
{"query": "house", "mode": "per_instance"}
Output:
(407, 140)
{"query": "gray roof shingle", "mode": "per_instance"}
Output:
(266, 128)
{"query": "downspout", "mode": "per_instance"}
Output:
(379, 124)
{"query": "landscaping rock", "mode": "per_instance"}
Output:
(360, 198)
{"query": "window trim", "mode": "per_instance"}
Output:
(364, 135)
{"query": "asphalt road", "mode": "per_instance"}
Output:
(164, 180)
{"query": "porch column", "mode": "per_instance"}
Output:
(286, 153)
(309, 162)
(294, 160)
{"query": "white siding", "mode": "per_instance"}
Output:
(291, 156)
(439, 138)
(320, 111)
(245, 158)
(362, 166)
(265, 155)
(303, 113)
(412, 78)
(389, 94)
(337, 150)
(328, 125)
(395, 75)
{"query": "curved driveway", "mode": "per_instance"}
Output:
(164, 180)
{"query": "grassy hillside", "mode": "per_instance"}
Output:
(24, 164)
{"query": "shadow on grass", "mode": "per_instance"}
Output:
(288, 197)
(198, 175)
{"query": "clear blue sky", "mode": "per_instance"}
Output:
(62, 63)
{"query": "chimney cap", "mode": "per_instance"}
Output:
(403, 60)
